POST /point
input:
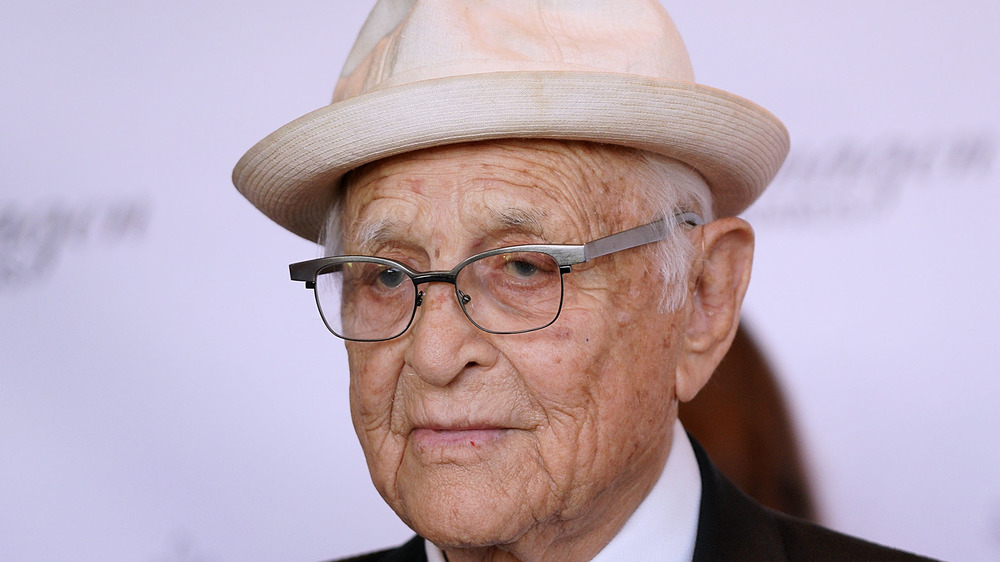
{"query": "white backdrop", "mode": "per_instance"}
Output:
(167, 395)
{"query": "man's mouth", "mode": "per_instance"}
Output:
(449, 437)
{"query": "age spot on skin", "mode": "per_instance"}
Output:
(562, 333)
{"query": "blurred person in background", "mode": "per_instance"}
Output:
(742, 420)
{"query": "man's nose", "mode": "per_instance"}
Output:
(443, 342)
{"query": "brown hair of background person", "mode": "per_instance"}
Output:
(742, 420)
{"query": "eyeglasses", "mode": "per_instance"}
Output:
(503, 291)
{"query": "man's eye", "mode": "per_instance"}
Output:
(391, 277)
(520, 268)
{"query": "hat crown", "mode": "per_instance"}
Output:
(406, 41)
(427, 73)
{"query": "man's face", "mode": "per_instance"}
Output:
(482, 439)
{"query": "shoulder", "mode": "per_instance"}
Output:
(732, 526)
(803, 540)
(412, 551)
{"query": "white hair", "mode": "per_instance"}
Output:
(662, 187)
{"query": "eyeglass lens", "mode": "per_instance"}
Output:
(504, 293)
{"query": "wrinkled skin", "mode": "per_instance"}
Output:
(530, 446)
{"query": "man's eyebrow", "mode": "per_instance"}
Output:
(517, 219)
(368, 232)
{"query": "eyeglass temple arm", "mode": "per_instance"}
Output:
(638, 236)
(306, 270)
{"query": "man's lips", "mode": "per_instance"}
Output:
(439, 437)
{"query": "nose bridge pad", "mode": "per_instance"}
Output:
(463, 298)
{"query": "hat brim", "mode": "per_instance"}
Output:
(736, 145)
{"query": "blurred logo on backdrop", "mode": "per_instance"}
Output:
(34, 237)
(856, 179)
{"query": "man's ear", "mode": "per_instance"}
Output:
(719, 278)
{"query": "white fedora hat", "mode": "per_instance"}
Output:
(432, 72)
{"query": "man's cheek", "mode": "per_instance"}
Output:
(374, 371)
(372, 396)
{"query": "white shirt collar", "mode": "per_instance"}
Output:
(434, 553)
(665, 525)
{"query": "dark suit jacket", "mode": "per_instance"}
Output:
(731, 526)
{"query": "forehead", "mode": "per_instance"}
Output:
(536, 186)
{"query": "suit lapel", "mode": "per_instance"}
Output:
(731, 526)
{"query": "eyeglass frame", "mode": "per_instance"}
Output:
(565, 256)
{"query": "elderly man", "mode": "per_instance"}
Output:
(528, 210)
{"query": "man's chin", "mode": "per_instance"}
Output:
(469, 489)
(456, 516)
(470, 535)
